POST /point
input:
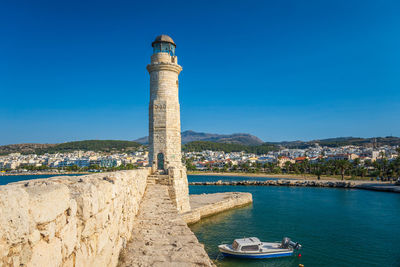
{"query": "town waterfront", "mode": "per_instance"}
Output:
(337, 227)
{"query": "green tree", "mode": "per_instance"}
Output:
(342, 165)
(94, 167)
(287, 166)
(318, 169)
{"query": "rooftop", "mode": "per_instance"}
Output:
(163, 38)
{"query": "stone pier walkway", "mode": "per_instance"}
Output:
(160, 236)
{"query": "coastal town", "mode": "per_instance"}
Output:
(217, 159)
(77, 160)
(366, 160)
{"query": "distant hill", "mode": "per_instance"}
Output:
(238, 138)
(23, 148)
(342, 141)
(87, 145)
(198, 146)
(273, 146)
(194, 141)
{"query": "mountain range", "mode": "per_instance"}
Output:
(237, 138)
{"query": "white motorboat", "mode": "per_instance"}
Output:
(252, 247)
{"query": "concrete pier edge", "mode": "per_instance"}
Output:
(202, 208)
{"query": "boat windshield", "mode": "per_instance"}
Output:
(250, 248)
(235, 245)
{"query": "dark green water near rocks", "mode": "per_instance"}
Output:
(337, 227)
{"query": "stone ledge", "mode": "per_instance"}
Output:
(205, 205)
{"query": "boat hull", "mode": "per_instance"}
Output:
(257, 256)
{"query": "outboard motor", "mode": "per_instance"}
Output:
(286, 243)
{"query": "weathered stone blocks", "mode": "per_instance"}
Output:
(165, 127)
(47, 200)
(15, 223)
(69, 221)
(46, 253)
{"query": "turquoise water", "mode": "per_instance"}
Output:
(337, 227)
(5, 179)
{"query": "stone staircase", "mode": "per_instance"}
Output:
(156, 178)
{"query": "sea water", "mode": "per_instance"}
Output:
(336, 227)
(5, 179)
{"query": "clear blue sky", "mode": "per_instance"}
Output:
(281, 70)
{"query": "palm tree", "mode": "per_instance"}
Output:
(318, 168)
(343, 165)
(287, 166)
(318, 172)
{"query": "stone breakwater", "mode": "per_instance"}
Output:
(69, 220)
(160, 236)
(205, 205)
(312, 183)
(386, 187)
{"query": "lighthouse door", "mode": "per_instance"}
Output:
(160, 161)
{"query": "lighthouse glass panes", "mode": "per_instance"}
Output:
(165, 48)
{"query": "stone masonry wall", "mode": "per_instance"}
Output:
(69, 220)
(164, 110)
(179, 189)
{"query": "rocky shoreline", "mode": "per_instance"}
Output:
(342, 184)
(387, 187)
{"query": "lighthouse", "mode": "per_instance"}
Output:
(165, 155)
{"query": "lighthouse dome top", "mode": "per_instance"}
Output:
(164, 44)
(163, 38)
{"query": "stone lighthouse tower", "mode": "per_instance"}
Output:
(165, 123)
